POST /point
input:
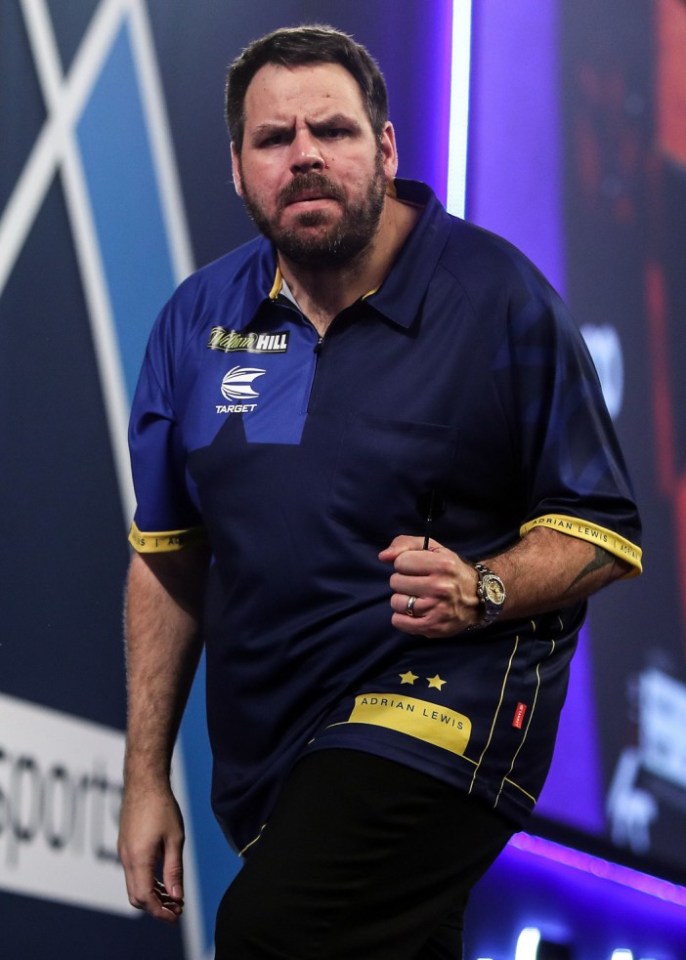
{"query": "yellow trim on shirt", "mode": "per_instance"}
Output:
(418, 718)
(585, 530)
(164, 541)
(276, 286)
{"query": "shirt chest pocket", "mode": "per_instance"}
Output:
(386, 473)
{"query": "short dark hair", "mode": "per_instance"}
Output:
(296, 46)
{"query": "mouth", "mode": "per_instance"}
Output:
(310, 190)
(308, 196)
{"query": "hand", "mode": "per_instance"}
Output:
(151, 832)
(443, 584)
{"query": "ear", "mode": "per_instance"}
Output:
(236, 170)
(389, 151)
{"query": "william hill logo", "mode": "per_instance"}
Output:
(238, 341)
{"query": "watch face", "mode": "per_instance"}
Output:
(494, 590)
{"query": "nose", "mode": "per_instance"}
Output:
(306, 153)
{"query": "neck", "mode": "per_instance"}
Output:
(323, 292)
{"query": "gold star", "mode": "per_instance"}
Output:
(408, 677)
(436, 682)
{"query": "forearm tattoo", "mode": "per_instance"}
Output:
(601, 558)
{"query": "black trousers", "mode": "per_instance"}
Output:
(362, 859)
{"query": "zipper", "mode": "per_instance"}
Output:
(313, 373)
(316, 350)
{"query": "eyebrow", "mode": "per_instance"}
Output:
(336, 120)
(332, 120)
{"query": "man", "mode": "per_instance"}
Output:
(376, 477)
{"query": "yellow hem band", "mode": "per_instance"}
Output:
(584, 530)
(164, 541)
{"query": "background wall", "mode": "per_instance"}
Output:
(114, 184)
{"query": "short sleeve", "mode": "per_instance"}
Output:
(165, 518)
(577, 479)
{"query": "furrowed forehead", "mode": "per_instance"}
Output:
(277, 93)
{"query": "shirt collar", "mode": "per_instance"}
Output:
(281, 289)
(400, 295)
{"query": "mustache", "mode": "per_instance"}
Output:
(306, 182)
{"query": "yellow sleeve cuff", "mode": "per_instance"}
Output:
(164, 541)
(584, 530)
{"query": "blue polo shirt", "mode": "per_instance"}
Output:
(300, 458)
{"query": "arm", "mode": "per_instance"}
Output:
(162, 617)
(545, 570)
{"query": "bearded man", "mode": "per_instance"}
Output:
(382, 515)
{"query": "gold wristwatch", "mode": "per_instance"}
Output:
(490, 590)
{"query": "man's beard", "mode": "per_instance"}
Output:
(344, 239)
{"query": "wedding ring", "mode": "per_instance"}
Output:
(409, 608)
